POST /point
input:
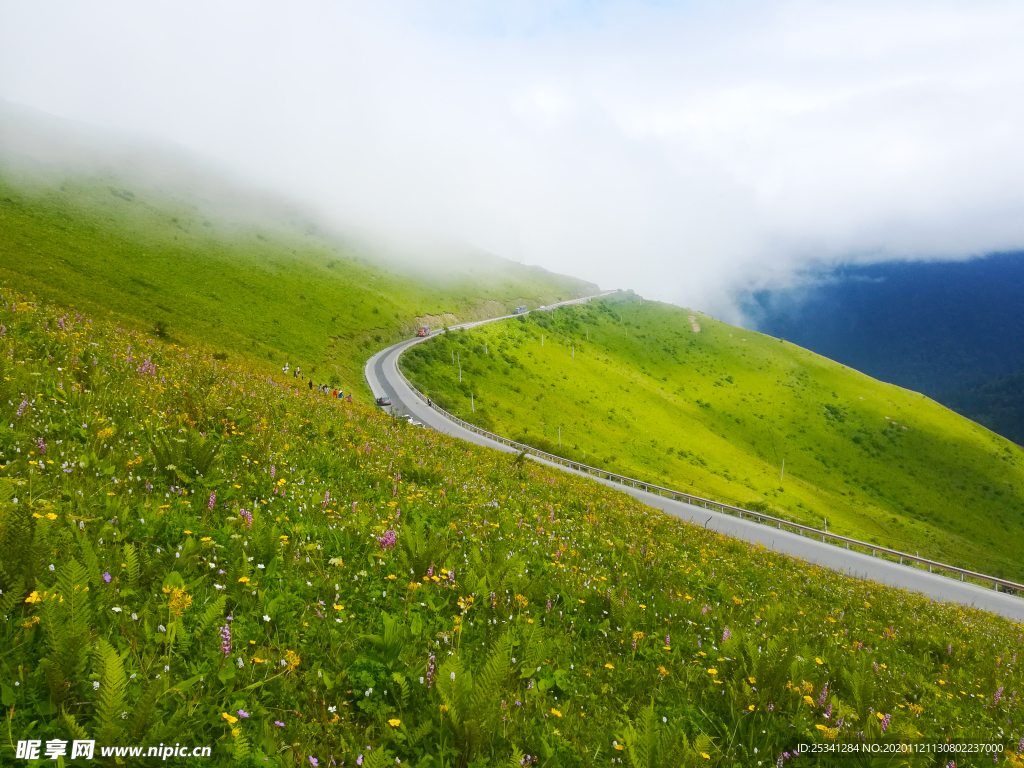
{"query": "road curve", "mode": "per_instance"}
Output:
(385, 380)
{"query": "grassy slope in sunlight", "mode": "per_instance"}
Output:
(192, 553)
(280, 292)
(637, 390)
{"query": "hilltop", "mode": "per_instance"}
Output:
(193, 552)
(678, 398)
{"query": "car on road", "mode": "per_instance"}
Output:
(383, 401)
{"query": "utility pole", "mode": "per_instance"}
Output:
(783, 465)
(542, 339)
(485, 347)
(472, 403)
(559, 437)
(573, 351)
(460, 367)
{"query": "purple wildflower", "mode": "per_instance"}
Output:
(549, 605)
(824, 695)
(387, 541)
(313, 761)
(279, 724)
(42, 445)
(998, 696)
(726, 634)
(327, 499)
(359, 760)
(246, 516)
(242, 713)
(431, 669)
(828, 712)
(668, 639)
(106, 576)
(273, 471)
(21, 408)
(225, 640)
(885, 722)
(213, 500)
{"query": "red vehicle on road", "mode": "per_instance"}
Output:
(423, 331)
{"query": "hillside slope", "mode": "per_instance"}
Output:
(154, 237)
(158, 261)
(661, 393)
(191, 553)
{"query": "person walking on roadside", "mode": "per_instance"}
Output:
(310, 385)
(285, 369)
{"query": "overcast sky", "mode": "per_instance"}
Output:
(680, 149)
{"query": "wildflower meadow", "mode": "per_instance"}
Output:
(194, 552)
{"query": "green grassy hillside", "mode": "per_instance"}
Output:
(638, 389)
(276, 291)
(192, 554)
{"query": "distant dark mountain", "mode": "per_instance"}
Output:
(998, 404)
(952, 330)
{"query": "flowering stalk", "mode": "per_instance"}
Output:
(225, 640)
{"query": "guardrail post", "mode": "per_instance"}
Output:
(929, 568)
(872, 552)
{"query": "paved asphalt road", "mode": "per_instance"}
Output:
(384, 379)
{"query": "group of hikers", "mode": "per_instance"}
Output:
(325, 388)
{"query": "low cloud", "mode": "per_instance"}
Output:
(686, 151)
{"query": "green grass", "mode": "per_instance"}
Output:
(546, 614)
(275, 291)
(636, 390)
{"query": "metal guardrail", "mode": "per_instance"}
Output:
(943, 568)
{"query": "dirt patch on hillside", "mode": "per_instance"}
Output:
(694, 324)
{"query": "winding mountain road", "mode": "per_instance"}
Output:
(384, 378)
